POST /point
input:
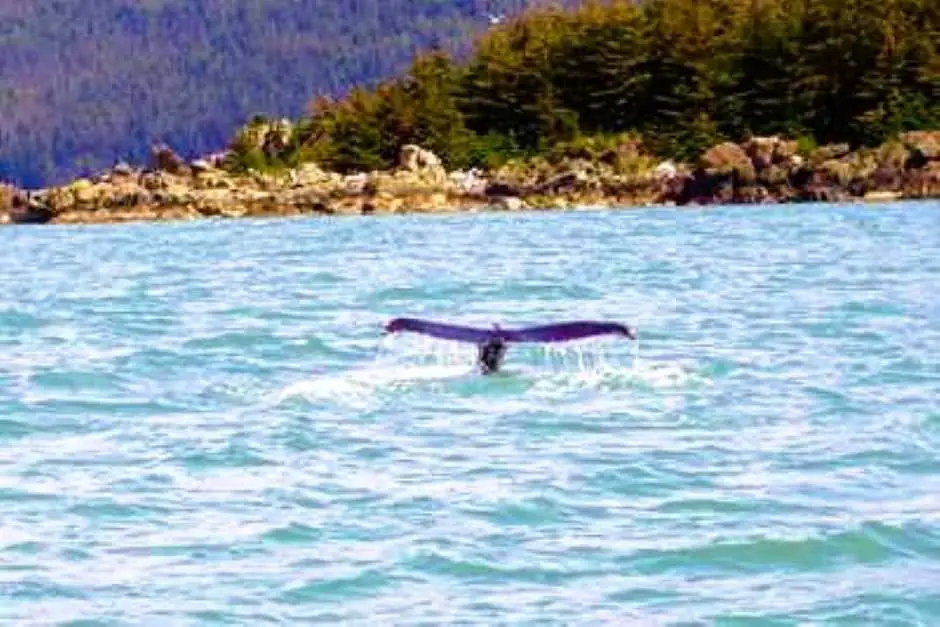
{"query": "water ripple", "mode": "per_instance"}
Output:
(203, 423)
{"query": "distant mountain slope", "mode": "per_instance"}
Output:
(83, 84)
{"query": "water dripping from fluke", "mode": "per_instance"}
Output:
(410, 363)
(605, 362)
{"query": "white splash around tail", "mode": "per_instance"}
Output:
(555, 369)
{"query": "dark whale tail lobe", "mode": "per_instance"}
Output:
(439, 330)
(558, 332)
(568, 331)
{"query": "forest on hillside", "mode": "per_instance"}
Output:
(681, 75)
(85, 84)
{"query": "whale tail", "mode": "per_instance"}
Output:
(558, 332)
(493, 342)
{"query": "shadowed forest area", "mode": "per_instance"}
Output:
(85, 84)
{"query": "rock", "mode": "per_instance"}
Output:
(83, 191)
(881, 196)
(502, 189)
(761, 151)
(677, 189)
(508, 203)
(308, 174)
(200, 166)
(415, 158)
(760, 170)
(233, 212)
(665, 170)
(59, 199)
(728, 160)
(926, 144)
(829, 152)
(833, 172)
(29, 209)
(565, 181)
(153, 181)
(163, 158)
(122, 169)
(765, 152)
(923, 182)
(785, 151)
(893, 155)
(433, 203)
(822, 193)
(313, 202)
(885, 178)
(774, 176)
(7, 192)
(347, 206)
(355, 183)
(212, 179)
(383, 203)
(722, 171)
(752, 194)
(217, 159)
(470, 182)
(125, 195)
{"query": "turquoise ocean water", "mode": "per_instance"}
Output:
(202, 424)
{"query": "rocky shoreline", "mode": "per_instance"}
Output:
(761, 170)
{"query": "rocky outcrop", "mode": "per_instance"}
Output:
(28, 208)
(162, 158)
(760, 170)
(171, 189)
(772, 169)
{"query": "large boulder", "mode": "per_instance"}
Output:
(415, 158)
(766, 152)
(728, 160)
(29, 208)
(892, 155)
(164, 159)
(721, 172)
(761, 151)
(422, 164)
(833, 172)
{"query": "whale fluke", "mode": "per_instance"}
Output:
(493, 342)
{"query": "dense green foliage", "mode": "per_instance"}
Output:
(84, 83)
(684, 74)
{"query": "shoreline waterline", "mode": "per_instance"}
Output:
(484, 210)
